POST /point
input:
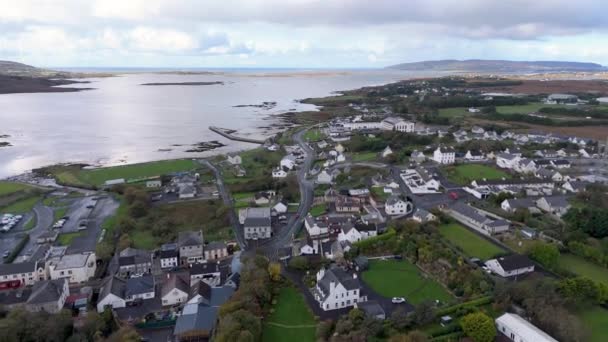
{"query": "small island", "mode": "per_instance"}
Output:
(184, 83)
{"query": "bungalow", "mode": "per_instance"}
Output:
(477, 130)
(303, 247)
(112, 294)
(516, 151)
(575, 186)
(396, 206)
(48, 296)
(262, 197)
(507, 161)
(169, 255)
(280, 208)
(444, 155)
(511, 265)
(553, 175)
(234, 159)
(156, 183)
(175, 289)
(279, 173)
(324, 177)
(190, 245)
(337, 289)
(417, 157)
(517, 329)
(555, 205)
(421, 215)
(511, 205)
(471, 217)
(583, 153)
(474, 155)
(386, 152)
(288, 162)
(561, 163)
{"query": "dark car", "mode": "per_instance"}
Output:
(90, 206)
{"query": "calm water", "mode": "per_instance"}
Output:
(121, 121)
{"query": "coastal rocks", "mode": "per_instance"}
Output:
(267, 105)
(205, 146)
(5, 143)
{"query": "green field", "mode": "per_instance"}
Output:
(66, 239)
(143, 240)
(7, 188)
(583, 267)
(314, 135)
(379, 193)
(596, 320)
(392, 278)
(470, 243)
(22, 206)
(318, 210)
(243, 196)
(291, 320)
(525, 109)
(135, 171)
(453, 112)
(466, 173)
(364, 156)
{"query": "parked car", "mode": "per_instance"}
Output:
(398, 300)
(6, 254)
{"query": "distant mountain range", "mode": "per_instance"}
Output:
(8, 68)
(498, 66)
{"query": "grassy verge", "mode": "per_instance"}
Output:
(317, 210)
(22, 206)
(31, 223)
(596, 320)
(392, 278)
(290, 320)
(66, 239)
(470, 243)
(314, 135)
(364, 156)
(584, 268)
(466, 173)
(7, 188)
(59, 213)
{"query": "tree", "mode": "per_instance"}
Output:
(274, 269)
(324, 330)
(544, 253)
(298, 263)
(424, 313)
(124, 242)
(412, 336)
(479, 326)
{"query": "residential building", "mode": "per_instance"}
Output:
(215, 250)
(48, 296)
(575, 186)
(472, 218)
(507, 161)
(372, 309)
(288, 162)
(396, 206)
(337, 289)
(27, 273)
(175, 289)
(474, 155)
(511, 265)
(156, 183)
(257, 224)
(139, 288)
(324, 177)
(280, 208)
(190, 245)
(77, 267)
(234, 159)
(316, 229)
(421, 215)
(555, 205)
(517, 329)
(444, 155)
(209, 272)
(561, 99)
(561, 163)
(279, 173)
(346, 204)
(169, 255)
(386, 152)
(417, 157)
(398, 124)
(511, 205)
(420, 181)
(112, 294)
(134, 262)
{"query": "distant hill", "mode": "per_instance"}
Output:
(8, 68)
(498, 66)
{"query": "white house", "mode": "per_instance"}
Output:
(280, 207)
(511, 205)
(234, 159)
(112, 294)
(473, 110)
(279, 173)
(444, 155)
(337, 289)
(556, 205)
(474, 155)
(175, 289)
(583, 153)
(420, 181)
(507, 160)
(421, 215)
(517, 329)
(27, 273)
(139, 288)
(398, 124)
(324, 177)
(387, 152)
(575, 186)
(288, 162)
(78, 267)
(511, 265)
(348, 232)
(315, 229)
(169, 255)
(396, 206)
(154, 183)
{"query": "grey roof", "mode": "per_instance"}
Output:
(393, 200)
(203, 319)
(132, 256)
(190, 238)
(506, 156)
(257, 217)
(468, 211)
(206, 268)
(362, 227)
(557, 201)
(337, 275)
(421, 213)
(139, 285)
(19, 296)
(522, 203)
(201, 289)
(514, 262)
(216, 245)
(371, 308)
(497, 223)
(47, 291)
(179, 280)
(21, 267)
(113, 285)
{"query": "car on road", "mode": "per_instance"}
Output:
(453, 195)
(6, 254)
(90, 206)
(398, 300)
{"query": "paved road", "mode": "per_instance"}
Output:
(227, 199)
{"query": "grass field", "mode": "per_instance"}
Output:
(22, 206)
(143, 240)
(67, 238)
(99, 176)
(392, 278)
(59, 213)
(596, 320)
(453, 112)
(379, 193)
(291, 320)
(583, 267)
(243, 196)
(317, 210)
(7, 188)
(525, 109)
(466, 173)
(314, 135)
(364, 156)
(470, 243)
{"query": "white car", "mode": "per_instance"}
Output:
(398, 300)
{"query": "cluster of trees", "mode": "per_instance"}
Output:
(595, 254)
(545, 305)
(239, 318)
(544, 253)
(590, 220)
(479, 326)
(582, 289)
(396, 140)
(579, 112)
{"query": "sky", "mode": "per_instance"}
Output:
(298, 33)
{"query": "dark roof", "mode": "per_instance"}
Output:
(371, 308)
(468, 211)
(47, 291)
(191, 238)
(139, 285)
(522, 203)
(168, 254)
(201, 289)
(216, 245)
(338, 275)
(132, 256)
(510, 181)
(362, 227)
(113, 285)
(557, 201)
(258, 217)
(13, 297)
(514, 262)
(178, 280)
(209, 267)
(20, 267)
(202, 320)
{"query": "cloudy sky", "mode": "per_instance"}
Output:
(298, 33)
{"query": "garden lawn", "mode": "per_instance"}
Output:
(364, 156)
(379, 194)
(7, 188)
(291, 320)
(314, 135)
(23, 206)
(470, 243)
(596, 320)
(466, 173)
(584, 268)
(392, 278)
(66, 239)
(135, 171)
(318, 210)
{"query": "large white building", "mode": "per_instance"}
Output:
(78, 267)
(443, 155)
(517, 329)
(337, 289)
(398, 124)
(27, 273)
(257, 224)
(420, 181)
(396, 206)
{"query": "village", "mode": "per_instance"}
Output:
(414, 222)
